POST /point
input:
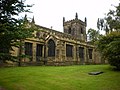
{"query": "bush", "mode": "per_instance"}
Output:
(109, 47)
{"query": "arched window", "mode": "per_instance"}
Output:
(51, 48)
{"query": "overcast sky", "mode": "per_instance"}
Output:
(49, 13)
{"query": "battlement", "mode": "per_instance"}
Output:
(75, 27)
(75, 20)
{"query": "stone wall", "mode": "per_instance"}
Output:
(42, 36)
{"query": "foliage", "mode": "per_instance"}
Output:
(111, 22)
(12, 30)
(100, 24)
(109, 44)
(93, 35)
(109, 47)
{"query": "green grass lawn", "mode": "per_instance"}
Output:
(59, 78)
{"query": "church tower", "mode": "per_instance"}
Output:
(75, 27)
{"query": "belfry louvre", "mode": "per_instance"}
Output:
(52, 47)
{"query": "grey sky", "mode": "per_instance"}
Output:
(49, 13)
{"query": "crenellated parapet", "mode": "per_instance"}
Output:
(75, 21)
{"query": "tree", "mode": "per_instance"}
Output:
(108, 45)
(93, 35)
(12, 30)
(111, 22)
(100, 24)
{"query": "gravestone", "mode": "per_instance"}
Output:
(95, 73)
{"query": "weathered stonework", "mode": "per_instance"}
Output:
(51, 47)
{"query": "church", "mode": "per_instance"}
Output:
(51, 47)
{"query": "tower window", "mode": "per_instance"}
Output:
(69, 31)
(82, 31)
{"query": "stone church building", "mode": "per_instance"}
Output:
(52, 47)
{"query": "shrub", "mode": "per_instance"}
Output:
(109, 46)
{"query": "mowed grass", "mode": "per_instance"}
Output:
(59, 78)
